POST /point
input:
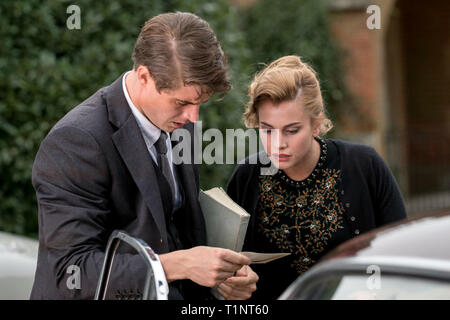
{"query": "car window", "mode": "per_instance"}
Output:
(388, 287)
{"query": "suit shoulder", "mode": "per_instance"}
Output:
(90, 116)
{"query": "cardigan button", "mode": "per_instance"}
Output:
(347, 205)
(352, 218)
(357, 231)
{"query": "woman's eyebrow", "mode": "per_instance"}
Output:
(286, 126)
(291, 124)
(266, 124)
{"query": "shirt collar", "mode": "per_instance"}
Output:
(149, 130)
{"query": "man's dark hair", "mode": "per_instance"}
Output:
(181, 48)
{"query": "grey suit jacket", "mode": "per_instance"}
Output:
(93, 174)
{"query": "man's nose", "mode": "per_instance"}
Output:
(191, 112)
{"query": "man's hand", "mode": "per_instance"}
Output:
(206, 266)
(241, 286)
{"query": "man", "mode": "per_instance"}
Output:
(106, 165)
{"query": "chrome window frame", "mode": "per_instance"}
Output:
(154, 267)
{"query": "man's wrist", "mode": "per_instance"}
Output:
(173, 265)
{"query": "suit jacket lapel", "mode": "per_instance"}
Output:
(131, 147)
(193, 223)
(185, 171)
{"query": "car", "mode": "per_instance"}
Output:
(407, 260)
(18, 257)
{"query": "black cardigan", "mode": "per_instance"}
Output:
(370, 193)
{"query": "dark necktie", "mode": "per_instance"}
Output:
(163, 161)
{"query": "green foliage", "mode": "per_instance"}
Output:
(47, 69)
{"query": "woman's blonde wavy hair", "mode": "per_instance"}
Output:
(287, 78)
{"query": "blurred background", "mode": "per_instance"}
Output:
(385, 87)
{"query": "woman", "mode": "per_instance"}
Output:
(323, 192)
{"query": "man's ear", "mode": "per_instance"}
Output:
(143, 75)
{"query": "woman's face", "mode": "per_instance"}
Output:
(287, 133)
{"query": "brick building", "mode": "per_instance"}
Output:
(400, 77)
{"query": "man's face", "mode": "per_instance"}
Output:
(170, 109)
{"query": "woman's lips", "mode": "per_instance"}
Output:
(281, 157)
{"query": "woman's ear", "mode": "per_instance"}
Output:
(316, 128)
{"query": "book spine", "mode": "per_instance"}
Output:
(241, 235)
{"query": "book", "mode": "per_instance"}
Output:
(226, 221)
(226, 226)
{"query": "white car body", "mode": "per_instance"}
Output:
(18, 257)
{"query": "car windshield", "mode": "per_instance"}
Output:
(387, 287)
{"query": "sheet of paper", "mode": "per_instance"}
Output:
(263, 257)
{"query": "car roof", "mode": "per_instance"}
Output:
(420, 237)
(418, 247)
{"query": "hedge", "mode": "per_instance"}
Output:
(47, 69)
